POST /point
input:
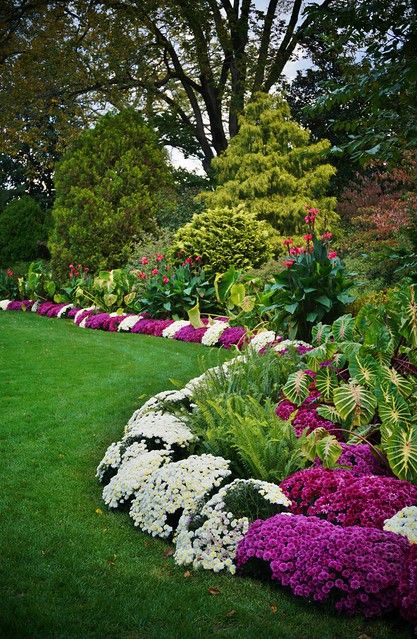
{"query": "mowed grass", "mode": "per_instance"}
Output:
(69, 568)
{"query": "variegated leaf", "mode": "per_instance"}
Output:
(401, 450)
(390, 376)
(355, 402)
(342, 328)
(330, 413)
(320, 333)
(326, 382)
(296, 388)
(364, 369)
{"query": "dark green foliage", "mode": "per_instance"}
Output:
(109, 186)
(9, 289)
(21, 230)
(179, 210)
(224, 237)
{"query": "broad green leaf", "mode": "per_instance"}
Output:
(326, 382)
(296, 388)
(350, 349)
(401, 450)
(194, 316)
(355, 402)
(394, 412)
(291, 308)
(50, 288)
(248, 303)
(389, 375)
(330, 413)
(329, 450)
(325, 301)
(237, 294)
(320, 333)
(110, 299)
(409, 316)
(128, 299)
(342, 328)
(364, 370)
(312, 316)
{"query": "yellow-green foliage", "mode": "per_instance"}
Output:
(371, 297)
(271, 168)
(225, 237)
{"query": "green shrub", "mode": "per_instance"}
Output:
(109, 186)
(224, 238)
(21, 230)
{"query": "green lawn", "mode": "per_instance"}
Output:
(68, 568)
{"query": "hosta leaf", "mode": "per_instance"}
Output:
(194, 316)
(342, 328)
(237, 294)
(296, 388)
(129, 297)
(326, 382)
(356, 402)
(320, 333)
(339, 360)
(390, 376)
(330, 413)
(364, 370)
(394, 412)
(401, 450)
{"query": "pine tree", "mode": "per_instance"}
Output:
(272, 170)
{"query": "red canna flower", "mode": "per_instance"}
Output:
(9, 272)
(288, 241)
(288, 263)
(144, 260)
(165, 279)
(154, 271)
(327, 236)
(308, 237)
(332, 255)
(159, 257)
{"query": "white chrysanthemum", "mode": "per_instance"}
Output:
(404, 523)
(81, 311)
(64, 310)
(155, 404)
(289, 342)
(261, 340)
(171, 330)
(213, 333)
(116, 314)
(128, 323)
(162, 428)
(35, 306)
(133, 475)
(83, 322)
(177, 486)
(213, 544)
(4, 304)
(111, 459)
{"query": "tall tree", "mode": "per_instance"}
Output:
(198, 60)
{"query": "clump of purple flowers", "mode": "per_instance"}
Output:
(361, 460)
(17, 305)
(407, 590)
(82, 316)
(73, 312)
(367, 501)
(233, 335)
(98, 322)
(306, 416)
(305, 487)
(357, 567)
(148, 326)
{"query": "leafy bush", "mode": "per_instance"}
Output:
(169, 291)
(225, 237)
(369, 382)
(312, 287)
(249, 434)
(9, 289)
(271, 168)
(21, 230)
(109, 186)
(38, 283)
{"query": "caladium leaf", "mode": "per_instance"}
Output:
(326, 382)
(401, 450)
(342, 328)
(330, 413)
(350, 349)
(389, 375)
(364, 369)
(409, 315)
(320, 333)
(355, 402)
(296, 388)
(394, 411)
(329, 451)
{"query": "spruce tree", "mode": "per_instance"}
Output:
(271, 168)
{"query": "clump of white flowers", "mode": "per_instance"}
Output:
(174, 488)
(128, 323)
(208, 537)
(159, 430)
(262, 340)
(4, 304)
(64, 310)
(171, 330)
(156, 404)
(286, 343)
(35, 306)
(111, 460)
(213, 333)
(132, 475)
(404, 523)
